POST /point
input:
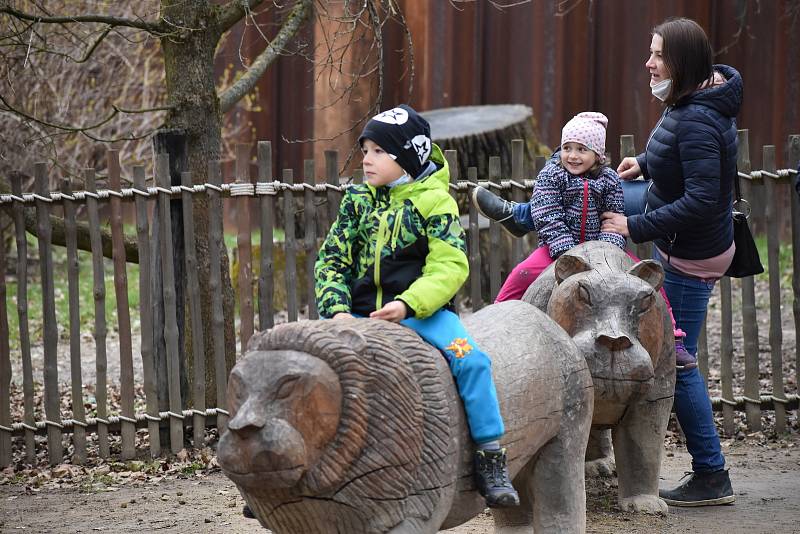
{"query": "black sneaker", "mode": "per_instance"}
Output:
(701, 489)
(683, 359)
(491, 477)
(497, 209)
(247, 512)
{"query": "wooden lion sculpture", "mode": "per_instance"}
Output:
(356, 426)
(616, 316)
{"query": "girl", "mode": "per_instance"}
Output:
(571, 192)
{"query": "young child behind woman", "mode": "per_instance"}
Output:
(572, 190)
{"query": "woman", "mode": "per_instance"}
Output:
(684, 206)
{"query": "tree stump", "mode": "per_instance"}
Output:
(479, 132)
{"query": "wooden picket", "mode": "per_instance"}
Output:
(319, 200)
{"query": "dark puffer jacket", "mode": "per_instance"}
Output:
(691, 160)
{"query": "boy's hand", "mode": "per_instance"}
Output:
(629, 169)
(394, 311)
(342, 315)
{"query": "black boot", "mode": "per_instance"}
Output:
(497, 209)
(491, 477)
(701, 489)
(247, 512)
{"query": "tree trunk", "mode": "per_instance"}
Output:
(190, 79)
(478, 132)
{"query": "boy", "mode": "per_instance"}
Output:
(396, 252)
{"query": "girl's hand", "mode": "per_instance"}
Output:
(342, 315)
(629, 169)
(394, 311)
(614, 222)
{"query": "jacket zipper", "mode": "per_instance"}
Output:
(383, 238)
(663, 116)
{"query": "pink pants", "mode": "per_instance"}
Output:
(531, 267)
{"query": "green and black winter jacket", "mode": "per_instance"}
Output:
(402, 243)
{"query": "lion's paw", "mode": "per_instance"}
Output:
(643, 504)
(600, 468)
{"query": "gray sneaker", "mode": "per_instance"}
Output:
(701, 489)
(497, 209)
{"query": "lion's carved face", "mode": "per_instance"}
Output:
(285, 408)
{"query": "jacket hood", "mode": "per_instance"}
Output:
(726, 98)
(438, 180)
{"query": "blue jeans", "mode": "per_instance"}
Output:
(471, 368)
(634, 192)
(689, 299)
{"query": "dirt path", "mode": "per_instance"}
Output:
(764, 474)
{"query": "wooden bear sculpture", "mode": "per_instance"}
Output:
(614, 313)
(356, 426)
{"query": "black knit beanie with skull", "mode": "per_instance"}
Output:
(404, 135)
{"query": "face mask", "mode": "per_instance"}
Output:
(400, 181)
(661, 89)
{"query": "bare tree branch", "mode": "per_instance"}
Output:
(233, 12)
(154, 28)
(82, 228)
(294, 20)
(115, 111)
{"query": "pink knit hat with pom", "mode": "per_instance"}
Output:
(589, 129)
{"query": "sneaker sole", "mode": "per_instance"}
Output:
(503, 502)
(708, 502)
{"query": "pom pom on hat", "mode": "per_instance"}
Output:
(589, 129)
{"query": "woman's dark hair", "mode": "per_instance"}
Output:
(687, 55)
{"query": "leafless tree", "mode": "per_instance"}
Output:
(76, 75)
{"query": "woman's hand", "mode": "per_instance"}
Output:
(629, 169)
(342, 315)
(614, 222)
(394, 311)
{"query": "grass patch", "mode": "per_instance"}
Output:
(784, 260)
(61, 294)
(85, 290)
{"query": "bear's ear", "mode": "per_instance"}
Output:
(568, 265)
(650, 271)
(354, 339)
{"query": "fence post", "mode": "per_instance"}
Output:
(794, 162)
(476, 297)
(244, 248)
(310, 214)
(266, 276)
(517, 193)
(289, 246)
(173, 144)
(5, 360)
(171, 334)
(146, 313)
(52, 403)
(127, 421)
(749, 320)
(216, 248)
(494, 232)
(197, 330)
(773, 250)
(78, 411)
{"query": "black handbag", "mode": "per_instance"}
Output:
(746, 261)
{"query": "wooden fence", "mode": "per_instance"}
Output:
(319, 199)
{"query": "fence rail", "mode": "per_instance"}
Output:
(303, 209)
